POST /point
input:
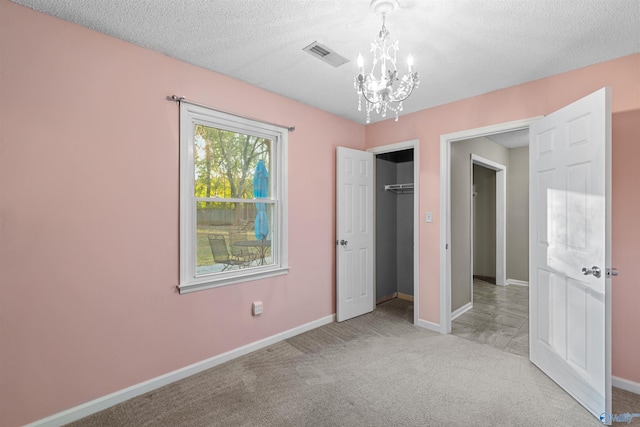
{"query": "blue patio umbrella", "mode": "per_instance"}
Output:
(261, 191)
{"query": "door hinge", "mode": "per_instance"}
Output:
(612, 272)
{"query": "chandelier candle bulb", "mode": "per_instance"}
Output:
(410, 63)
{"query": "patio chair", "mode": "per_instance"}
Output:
(234, 237)
(221, 254)
(241, 250)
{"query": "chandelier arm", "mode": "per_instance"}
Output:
(364, 94)
(413, 86)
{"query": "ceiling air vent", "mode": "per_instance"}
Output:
(325, 54)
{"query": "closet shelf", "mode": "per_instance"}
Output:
(400, 188)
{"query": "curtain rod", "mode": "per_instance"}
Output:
(179, 99)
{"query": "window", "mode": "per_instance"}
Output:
(233, 207)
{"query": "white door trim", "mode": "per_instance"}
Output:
(412, 144)
(501, 218)
(445, 206)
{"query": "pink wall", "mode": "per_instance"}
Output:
(89, 218)
(625, 339)
(524, 101)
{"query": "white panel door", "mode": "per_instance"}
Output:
(570, 223)
(354, 233)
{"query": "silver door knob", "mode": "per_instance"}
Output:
(595, 270)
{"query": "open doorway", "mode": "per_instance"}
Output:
(483, 224)
(488, 227)
(395, 218)
(488, 221)
(495, 313)
(394, 226)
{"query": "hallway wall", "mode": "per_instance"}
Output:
(518, 214)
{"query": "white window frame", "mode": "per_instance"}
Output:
(190, 116)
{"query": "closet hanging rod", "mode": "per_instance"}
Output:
(399, 188)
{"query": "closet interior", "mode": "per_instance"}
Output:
(394, 225)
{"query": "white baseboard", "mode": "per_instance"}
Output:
(631, 386)
(517, 282)
(459, 312)
(104, 402)
(405, 297)
(429, 325)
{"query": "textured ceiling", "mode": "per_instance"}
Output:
(514, 139)
(461, 48)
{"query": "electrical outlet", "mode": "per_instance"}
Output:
(429, 217)
(256, 308)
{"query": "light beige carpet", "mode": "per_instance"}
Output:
(375, 370)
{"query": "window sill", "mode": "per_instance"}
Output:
(203, 283)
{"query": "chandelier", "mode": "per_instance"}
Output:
(386, 90)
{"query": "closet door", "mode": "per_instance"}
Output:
(354, 233)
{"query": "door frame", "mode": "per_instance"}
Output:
(501, 218)
(445, 205)
(405, 145)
